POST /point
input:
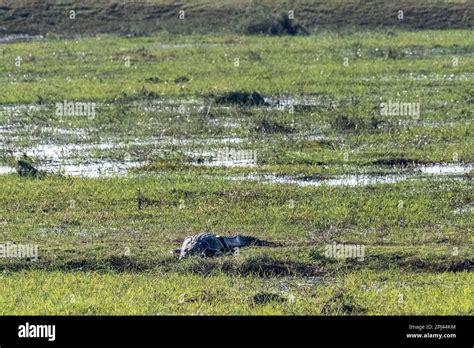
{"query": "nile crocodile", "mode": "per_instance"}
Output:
(209, 244)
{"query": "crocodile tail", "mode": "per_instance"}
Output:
(243, 241)
(256, 241)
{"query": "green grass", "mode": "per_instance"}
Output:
(112, 258)
(94, 68)
(219, 204)
(101, 240)
(366, 293)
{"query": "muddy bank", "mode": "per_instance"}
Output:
(260, 265)
(243, 17)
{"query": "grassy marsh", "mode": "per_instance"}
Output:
(100, 254)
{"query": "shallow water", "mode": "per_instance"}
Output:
(11, 109)
(360, 179)
(93, 159)
(92, 169)
(6, 170)
(97, 159)
(464, 210)
(73, 152)
(288, 102)
(56, 152)
(343, 180)
(420, 77)
(445, 169)
(224, 158)
(10, 38)
(191, 45)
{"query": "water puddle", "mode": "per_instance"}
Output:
(91, 169)
(191, 45)
(418, 52)
(6, 170)
(184, 105)
(99, 159)
(79, 156)
(423, 123)
(446, 169)
(464, 210)
(224, 158)
(198, 141)
(290, 102)
(359, 179)
(314, 137)
(11, 109)
(56, 152)
(11, 38)
(225, 123)
(343, 180)
(420, 77)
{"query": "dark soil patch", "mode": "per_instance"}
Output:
(182, 79)
(344, 123)
(153, 79)
(241, 98)
(342, 303)
(408, 262)
(263, 298)
(402, 162)
(270, 126)
(272, 25)
(26, 168)
(314, 176)
(262, 265)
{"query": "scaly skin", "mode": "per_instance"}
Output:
(209, 244)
